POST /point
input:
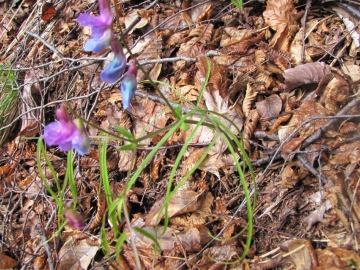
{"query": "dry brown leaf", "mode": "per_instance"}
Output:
(212, 257)
(303, 258)
(145, 112)
(337, 258)
(7, 262)
(288, 177)
(336, 93)
(233, 36)
(282, 17)
(305, 74)
(184, 201)
(204, 32)
(194, 219)
(306, 110)
(270, 107)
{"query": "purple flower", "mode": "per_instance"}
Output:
(117, 65)
(101, 27)
(66, 133)
(81, 142)
(128, 85)
(75, 219)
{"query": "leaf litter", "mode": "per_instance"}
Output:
(273, 67)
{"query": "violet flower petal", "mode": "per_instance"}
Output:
(74, 219)
(66, 133)
(101, 27)
(117, 66)
(128, 86)
(81, 142)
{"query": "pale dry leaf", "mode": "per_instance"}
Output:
(296, 49)
(190, 92)
(184, 201)
(352, 70)
(198, 11)
(194, 219)
(149, 116)
(303, 258)
(131, 16)
(191, 240)
(305, 74)
(30, 126)
(215, 255)
(214, 162)
(76, 254)
(150, 53)
(317, 215)
(351, 22)
(233, 36)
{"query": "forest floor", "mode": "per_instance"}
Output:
(285, 72)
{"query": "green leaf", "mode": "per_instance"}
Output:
(125, 132)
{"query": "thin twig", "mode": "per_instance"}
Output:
(46, 246)
(48, 45)
(310, 168)
(307, 7)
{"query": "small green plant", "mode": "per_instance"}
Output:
(117, 211)
(9, 100)
(237, 3)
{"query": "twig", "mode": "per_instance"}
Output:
(308, 5)
(48, 45)
(46, 246)
(310, 168)
(334, 119)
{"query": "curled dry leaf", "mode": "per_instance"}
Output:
(250, 96)
(250, 126)
(305, 74)
(204, 32)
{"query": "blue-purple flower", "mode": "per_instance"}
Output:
(128, 86)
(117, 66)
(66, 133)
(101, 27)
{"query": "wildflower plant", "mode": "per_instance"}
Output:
(70, 134)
